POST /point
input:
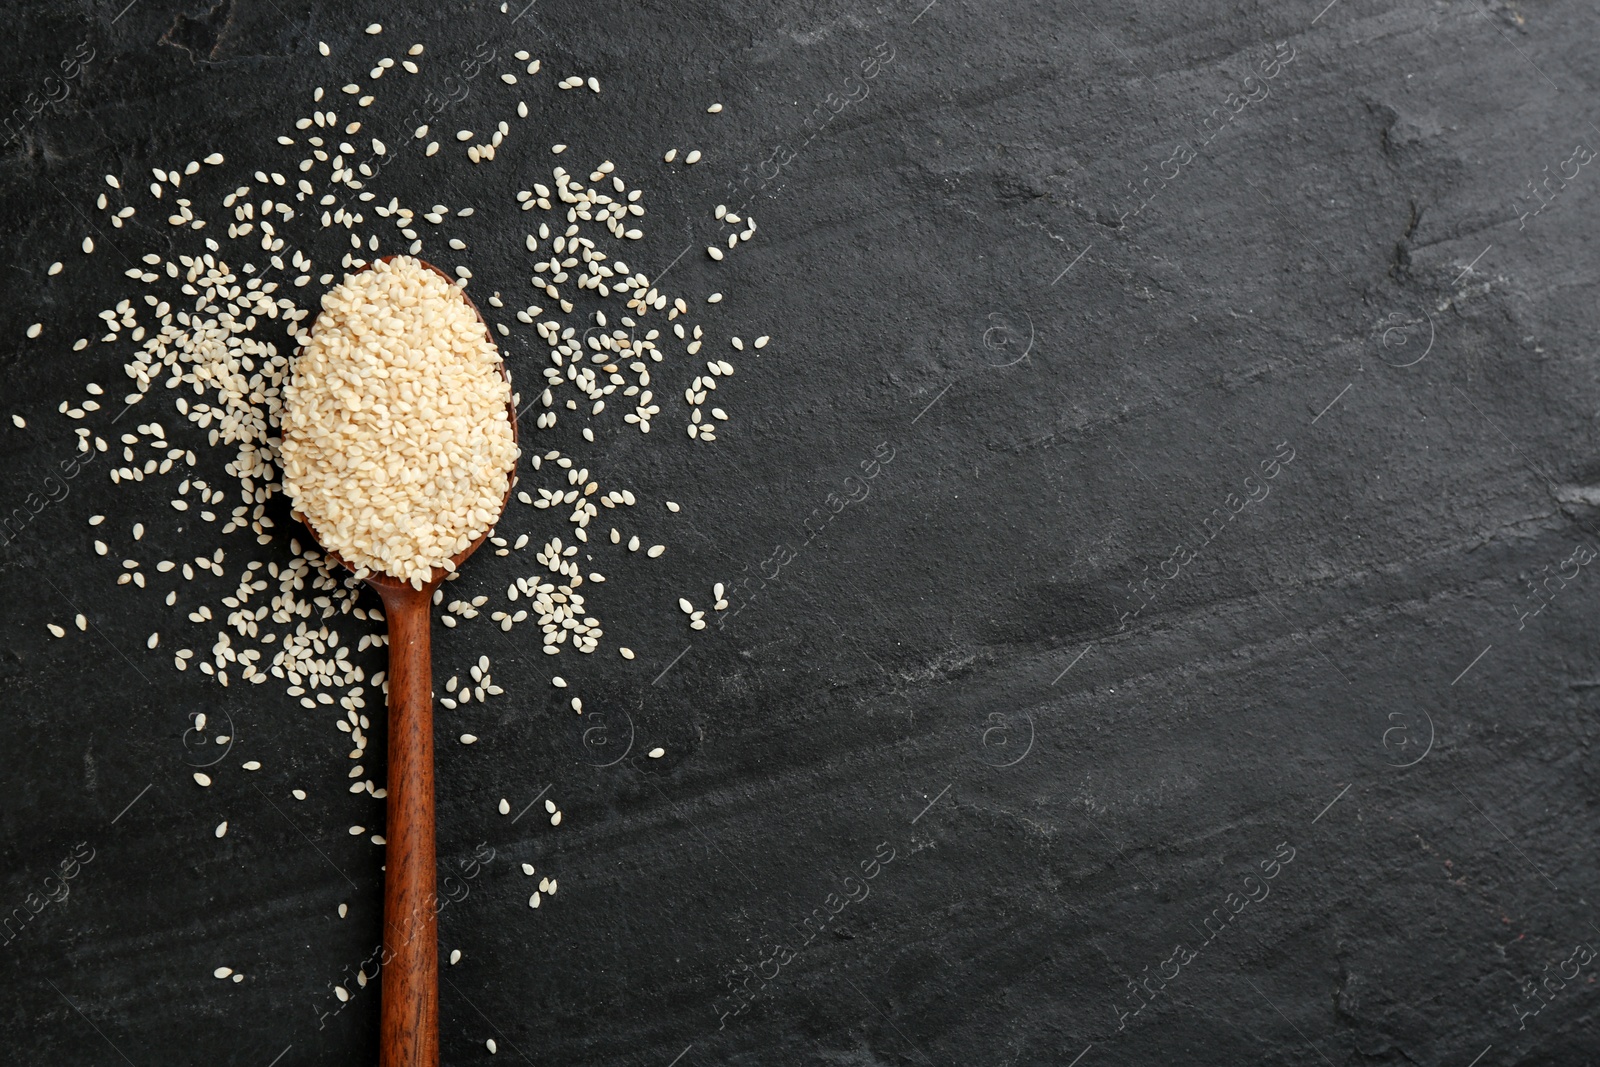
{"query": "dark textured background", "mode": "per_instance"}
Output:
(957, 667)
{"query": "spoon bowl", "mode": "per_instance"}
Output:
(409, 1027)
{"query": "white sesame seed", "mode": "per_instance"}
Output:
(692, 157)
(469, 739)
(672, 153)
(222, 828)
(455, 956)
(713, 109)
(153, 640)
(88, 245)
(714, 252)
(491, 1046)
(505, 806)
(55, 268)
(558, 148)
(672, 507)
(298, 794)
(656, 550)
(222, 972)
(201, 779)
(375, 28)
(555, 820)
(344, 909)
(761, 342)
(56, 630)
(252, 765)
(322, 46)
(627, 653)
(657, 753)
(594, 84)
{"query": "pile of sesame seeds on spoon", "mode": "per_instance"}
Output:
(203, 324)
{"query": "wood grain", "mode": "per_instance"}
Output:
(409, 1029)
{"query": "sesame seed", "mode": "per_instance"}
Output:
(375, 28)
(322, 46)
(627, 653)
(761, 342)
(692, 157)
(713, 109)
(455, 956)
(222, 828)
(202, 779)
(657, 753)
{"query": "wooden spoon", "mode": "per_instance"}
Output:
(409, 1030)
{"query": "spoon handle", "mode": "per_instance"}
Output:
(409, 1034)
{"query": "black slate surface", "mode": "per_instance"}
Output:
(1226, 426)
